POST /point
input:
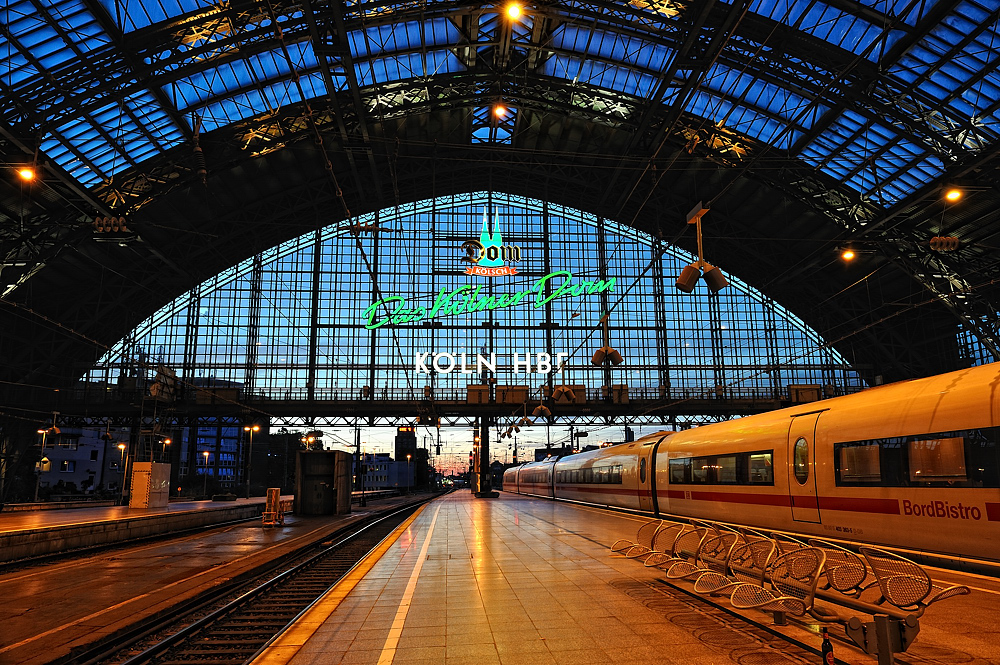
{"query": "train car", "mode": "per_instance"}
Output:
(620, 476)
(914, 464)
(510, 479)
(535, 478)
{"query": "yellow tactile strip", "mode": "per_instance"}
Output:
(283, 649)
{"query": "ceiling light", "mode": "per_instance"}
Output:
(848, 255)
(499, 110)
(953, 194)
(513, 10)
(27, 173)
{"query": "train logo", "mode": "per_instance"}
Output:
(488, 255)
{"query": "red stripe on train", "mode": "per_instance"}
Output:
(881, 506)
(993, 512)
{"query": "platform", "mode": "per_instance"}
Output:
(53, 608)
(523, 581)
(43, 532)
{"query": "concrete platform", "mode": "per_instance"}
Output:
(52, 609)
(30, 534)
(523, 581)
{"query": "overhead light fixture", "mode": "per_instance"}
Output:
(513, 10)
(541, 411)
(499, 110)
(715, 279)
(689, 277)
(26, 173)
(952, 194)
(848, 255)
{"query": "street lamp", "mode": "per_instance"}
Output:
(163, 449)
(121, 472)
(204, 490)
(408, 473)
(251, 429)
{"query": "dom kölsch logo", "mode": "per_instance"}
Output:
(489, 254)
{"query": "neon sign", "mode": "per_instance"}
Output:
(468, 299)
(489, 253)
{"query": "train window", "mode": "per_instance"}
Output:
(859, 464)
(680, 471)
(642, 470)
(937, 460)
(760, 469)
(963, 458)
(725, 470)
(800, 461)
(701, 468)
(739, 469)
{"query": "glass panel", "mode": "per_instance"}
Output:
(801, 461)
(725, 469)
(937, 459)
(860, 464)
(761, 469)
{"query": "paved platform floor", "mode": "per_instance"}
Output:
(43, 519)
(523, 581)
(50, 609)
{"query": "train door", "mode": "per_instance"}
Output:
(645, 479)
(802, 468)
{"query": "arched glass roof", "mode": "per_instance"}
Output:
(882, 96)
(299, 317)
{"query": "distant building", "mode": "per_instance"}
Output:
(384, 473)
(406, 443)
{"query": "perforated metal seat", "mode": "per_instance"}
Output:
(905, 584)
(844, 570)
(643, 543)
(747, 564)
(791, 584)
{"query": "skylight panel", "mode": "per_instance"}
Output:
(14, 65)
(741, 119)
(622, 79)
(873, 159)
(134, 14)
(384, 39)
(626, 49)
(406, 66)
(251, 103)
(830, 24)
(955, 64)
(238, 74)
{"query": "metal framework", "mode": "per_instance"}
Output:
(809, 126)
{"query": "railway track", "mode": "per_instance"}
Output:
(233, 629)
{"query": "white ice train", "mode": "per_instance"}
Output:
(914, 465)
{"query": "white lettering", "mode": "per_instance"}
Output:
(518, 364)
(420, 363)
(561, 362)
(544, 362)
(448, 356)
(490, 364)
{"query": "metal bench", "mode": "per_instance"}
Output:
(712, 555)
(747, 564)
(790, 585)
(905, 584)
(643, 543)
(684, 547)
(845, 571)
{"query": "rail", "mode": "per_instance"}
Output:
(783, 576)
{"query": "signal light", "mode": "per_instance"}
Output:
(944, 243)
